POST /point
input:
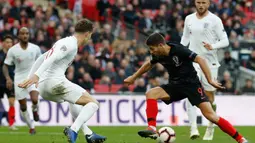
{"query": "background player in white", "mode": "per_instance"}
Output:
(49, 72)
(23, 55)
(204, 32)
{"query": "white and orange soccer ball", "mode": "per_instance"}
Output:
(166, 135)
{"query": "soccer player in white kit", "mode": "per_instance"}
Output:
(48, 73)
(204, 32)
(23, 55)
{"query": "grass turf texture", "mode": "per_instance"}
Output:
(114, 135)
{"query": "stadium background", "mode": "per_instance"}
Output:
(117, 50)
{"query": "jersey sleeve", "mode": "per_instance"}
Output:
(186, 53)
(154, 59)
(36, 65)
(9, 60)
(186, 34)
(38, 52)
(221, 35)
(57, 52)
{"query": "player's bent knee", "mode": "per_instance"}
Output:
(23, 108)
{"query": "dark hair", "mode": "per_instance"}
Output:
(7, 37)
(155, 39)
(83, 26)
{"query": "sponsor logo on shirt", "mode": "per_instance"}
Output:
(176, 61)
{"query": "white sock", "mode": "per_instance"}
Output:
(192, 114)
(85, 114)
(35, 108)
(75, 110)
(27, 119)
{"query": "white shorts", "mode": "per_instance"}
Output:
(202, 78)
(21, 93)
(60, 90)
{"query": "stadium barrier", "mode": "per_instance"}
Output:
(124, 110)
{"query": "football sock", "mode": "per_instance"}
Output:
(11, 115)
(151, 112)
(75, 110)
(35, 107)
(226, 127)
(27, 119)
(192, 114)
(85, 114)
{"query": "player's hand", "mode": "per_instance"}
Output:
(208, 46)
(9, 83)
(129, 80)
(32, 80)
(217, 85)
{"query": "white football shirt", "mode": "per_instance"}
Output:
(23, 59)
(208, 29)
(57, 59)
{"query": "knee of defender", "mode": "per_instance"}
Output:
(149, 95)
(23, 108)
(212, 117)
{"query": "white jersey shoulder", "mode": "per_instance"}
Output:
(62, 53)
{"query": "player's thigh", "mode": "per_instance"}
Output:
(208, 87)
(157, 93)
(20, 93)
(76, 94)
(195, 94)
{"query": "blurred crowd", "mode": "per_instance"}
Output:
(112, 54)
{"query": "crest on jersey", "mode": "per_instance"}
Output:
(63, 48)
(176, 61)
(206, 25)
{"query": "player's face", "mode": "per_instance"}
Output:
(24, 35)
(87, 37)
(202, 6)
(7, 43)
(157, 50)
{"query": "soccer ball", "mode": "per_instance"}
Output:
(166, 135)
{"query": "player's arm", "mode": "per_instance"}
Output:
(222, 36)
(186, 34)
(205, 68)
(7, 62)
(37, 64)
(145, 67)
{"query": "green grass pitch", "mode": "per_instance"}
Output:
(114, 135)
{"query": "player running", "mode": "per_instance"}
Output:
(22, 56)
(49, 72)
(204, 32)
(6, 45)
(183, 83)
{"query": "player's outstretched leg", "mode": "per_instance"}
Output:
(152, 110)
(223, 124)
(25, 115)
(192, 114)
(35, 104)
(90, 106)
(90, 136)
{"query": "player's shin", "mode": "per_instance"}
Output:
(192, 114)
(226, 127)
(85, 114)
(151, 112)
(27, 119)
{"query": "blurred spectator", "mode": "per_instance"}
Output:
(141, 87)
(248, 88)
(229, 88)
(251, 61)
(102, 6)
(110, 71)
(164, 79)
(129, 15)
(124, 89)
(226, 78)
(121, 44)
(86, 82)
(105, 80)
(145, 23)
(229, 64)
(120, 77)
(126, 67)
(95, 70)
